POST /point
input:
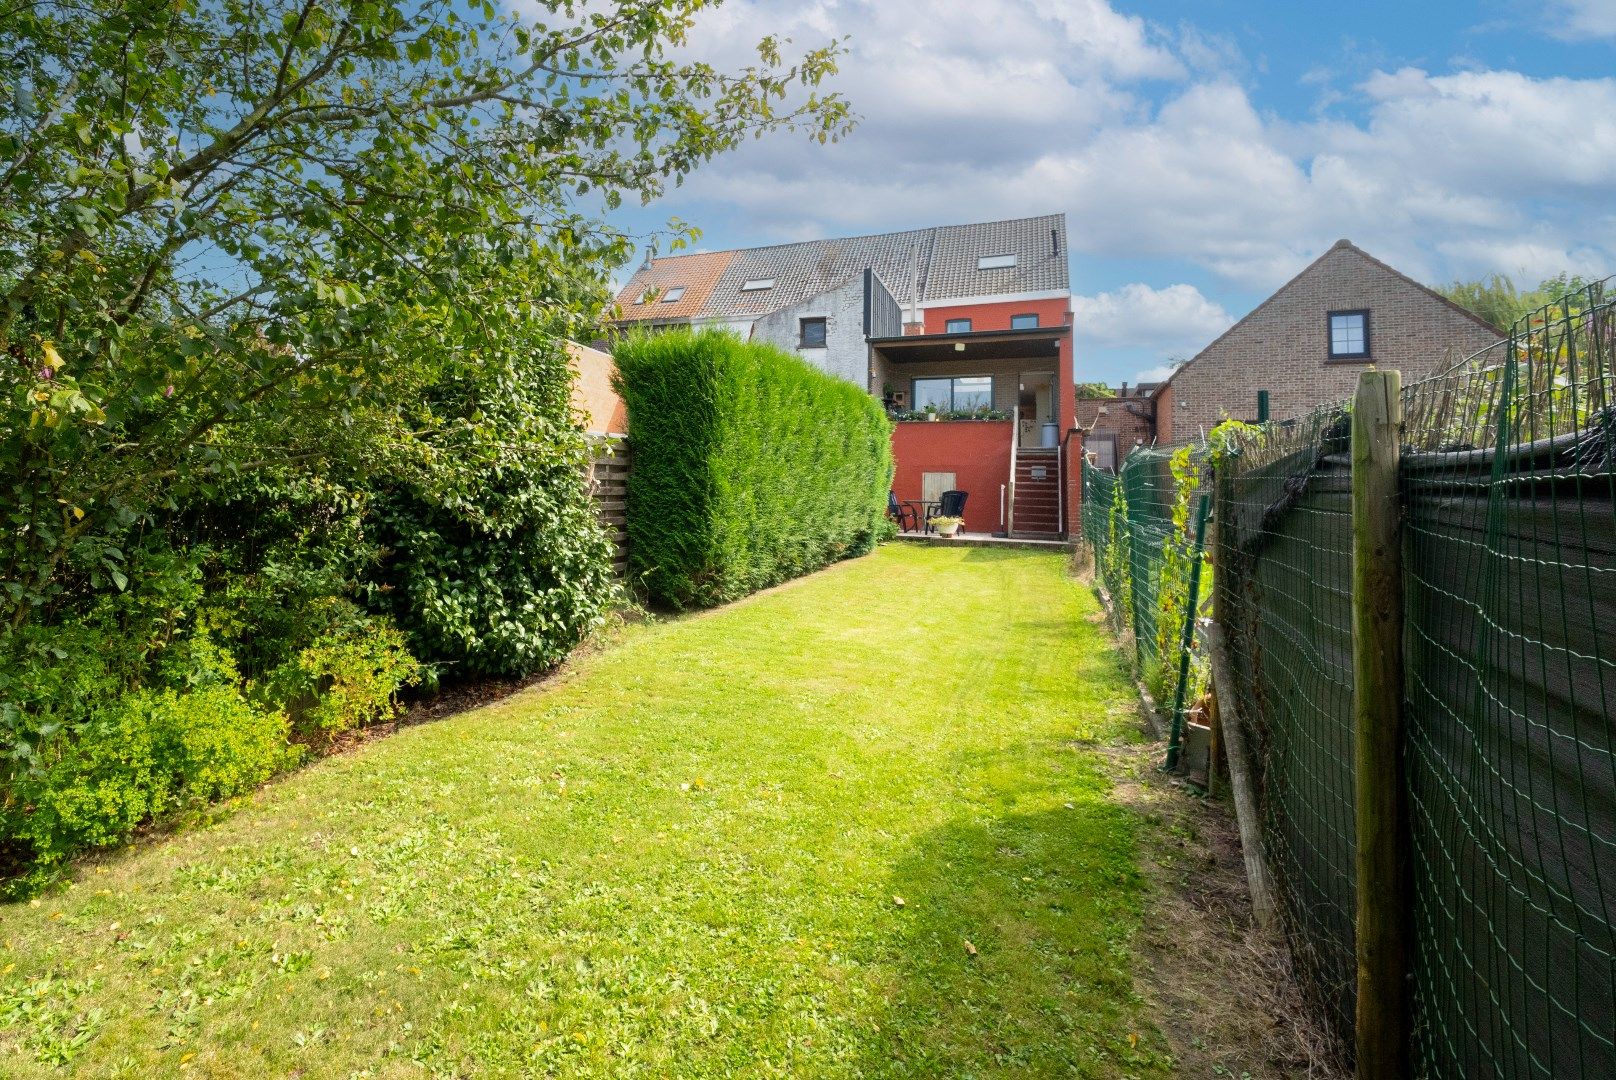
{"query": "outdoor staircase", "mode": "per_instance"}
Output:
(1037, 494)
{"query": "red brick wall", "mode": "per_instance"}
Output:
(996, 316)
(976, 452)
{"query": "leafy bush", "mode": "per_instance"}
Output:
(750, 466)
(495, 561)
(343, 680)
(148, 753)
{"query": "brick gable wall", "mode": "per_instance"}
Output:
(1283, 347)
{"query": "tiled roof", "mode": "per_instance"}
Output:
(696, 274)
(943, 260)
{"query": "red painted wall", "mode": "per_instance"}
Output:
(996, 316)
(976, 452)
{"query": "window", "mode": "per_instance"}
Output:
(957, 326)
(813, 333)
(757, 284)
(673, 295)
(1023, 322)
(1349, 335)
(963, 394)
(995, 262)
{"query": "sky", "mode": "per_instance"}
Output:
(1202, 153)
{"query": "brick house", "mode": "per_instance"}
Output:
(1305, 345)
(963, 331)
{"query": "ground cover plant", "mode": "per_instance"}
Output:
(751, 466)
(284, 403)
(796, 836)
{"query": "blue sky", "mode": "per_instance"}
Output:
(1203, 153)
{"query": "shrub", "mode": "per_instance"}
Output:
(750, 466)
(148, 753)
(347, 678)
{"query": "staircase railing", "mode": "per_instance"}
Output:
(1015, 441)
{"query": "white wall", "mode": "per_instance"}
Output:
(845, 353)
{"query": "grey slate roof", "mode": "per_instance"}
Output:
(943, 258)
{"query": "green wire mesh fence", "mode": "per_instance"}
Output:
(1509, 491)
(1140, 524)
(1508, 486)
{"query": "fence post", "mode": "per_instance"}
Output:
(1377, 665)
(1175, 739)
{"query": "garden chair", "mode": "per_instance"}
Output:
(902, 512)
(949, 504)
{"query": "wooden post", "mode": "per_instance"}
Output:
(1377, 667)
(1242, 783)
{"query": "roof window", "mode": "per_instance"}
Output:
(674, 294)
(757, 284)
(995, 262)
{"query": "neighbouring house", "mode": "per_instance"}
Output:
(593, 394)
(1305, 345)
(1116, 422)
(964, 332)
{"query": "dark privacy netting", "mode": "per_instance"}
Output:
(1508, 486)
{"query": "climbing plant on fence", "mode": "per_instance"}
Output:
(751, 466)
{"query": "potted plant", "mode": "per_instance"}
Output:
(946, 526)
(931, 412)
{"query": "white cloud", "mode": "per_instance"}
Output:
(1159, 373)
(1573, 19)
(1174, 321)
(1009, 107)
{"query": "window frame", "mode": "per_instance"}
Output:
(673, 294)
(824, 332)
(1330, 353)
(1033, 315)
(914, 392)
(949, 324)
(1002, 261)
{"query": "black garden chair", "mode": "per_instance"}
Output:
(905, 514)
(949, 504)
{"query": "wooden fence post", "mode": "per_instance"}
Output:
(1377, 663)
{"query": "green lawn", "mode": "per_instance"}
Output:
(684, 858)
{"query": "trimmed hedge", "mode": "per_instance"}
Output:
(751, 466)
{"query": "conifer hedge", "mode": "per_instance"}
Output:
(749, 467)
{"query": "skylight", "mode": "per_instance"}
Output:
(673, 294)
(995, 262)
(757, 284)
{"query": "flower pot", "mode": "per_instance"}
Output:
(948, 530)
(932, 417)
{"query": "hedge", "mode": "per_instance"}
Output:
(750, 466)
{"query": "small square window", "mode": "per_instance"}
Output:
(813, 333)
(1349, 334)
(757, 284)
(1023, 322)
(957, 326)
(673, 295)
(995, 262)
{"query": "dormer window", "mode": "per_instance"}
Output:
(673, 295)
(995, 262)
(757, 284)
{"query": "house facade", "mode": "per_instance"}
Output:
(1305, 345)
(963, 331)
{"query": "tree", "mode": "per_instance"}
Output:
(246, 233)
(1498, 301)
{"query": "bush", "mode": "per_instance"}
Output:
(495, 561)
(149, 753)
(347, 678)
(750, 466)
